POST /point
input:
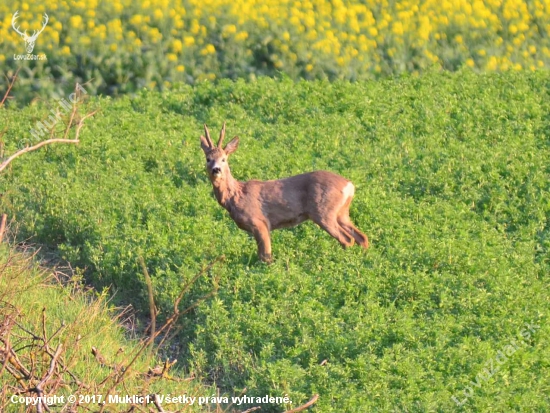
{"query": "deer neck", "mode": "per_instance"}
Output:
(226, 189)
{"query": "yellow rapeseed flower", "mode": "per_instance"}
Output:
(492, 64)
(360, 36)
(230, 29)
(177, 45)
(136, 19)
(75, 21)
(241, 36)
(209, 49)
(398, 28)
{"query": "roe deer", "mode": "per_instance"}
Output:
(259, 207)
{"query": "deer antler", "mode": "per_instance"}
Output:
(208, 138)
(46, 19)
(13, 19)
(222, 135)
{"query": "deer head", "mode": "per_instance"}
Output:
(216, 156)
(29, 40)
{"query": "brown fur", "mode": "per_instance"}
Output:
(262, 206)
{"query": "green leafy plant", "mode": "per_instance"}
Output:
(452, 188)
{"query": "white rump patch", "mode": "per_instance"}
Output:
(349, 190)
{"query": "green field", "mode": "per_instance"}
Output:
(452, 188)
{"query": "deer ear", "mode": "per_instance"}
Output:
(232, 145)
(205, 145)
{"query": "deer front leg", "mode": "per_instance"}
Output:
(261, 235)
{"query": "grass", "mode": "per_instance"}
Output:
(40, 316)
(452, 188)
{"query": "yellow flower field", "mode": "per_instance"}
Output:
(126, 44)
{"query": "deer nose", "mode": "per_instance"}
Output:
(216, 170)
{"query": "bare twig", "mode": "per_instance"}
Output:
(61, 327)
(252, 409)
(3, 226)
(81, 122)
(44, 334)
(304, 406)
(40, 386)
(152, 308)
(52, 367)
(232, 403)
(69, 124)
(176, 314)
(192, 281)
(33, 148)
(156, 402)
(2, 141)
(11, 356)
(10, 85)
(6, 356)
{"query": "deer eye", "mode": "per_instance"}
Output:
(223, 160)
(208, 160)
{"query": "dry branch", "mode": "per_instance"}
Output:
(33, 148)
(53, 364)
(253, 409)
(176, 312)
(152, 308)
(39, 389)
(10, 85)
(3, 226)
(304, 406)
(156, 402)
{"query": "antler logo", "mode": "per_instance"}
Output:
(29, 40)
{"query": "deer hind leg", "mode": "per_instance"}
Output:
(261, 235)
(359, 237)
(335, 230)
(345, 222)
